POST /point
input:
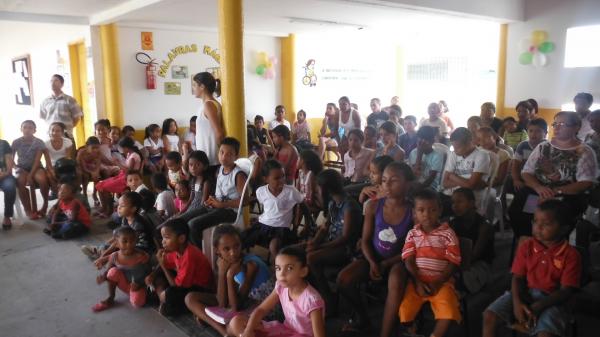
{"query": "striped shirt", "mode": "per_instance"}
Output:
(433, 251)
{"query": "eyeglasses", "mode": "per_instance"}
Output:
(561, 124)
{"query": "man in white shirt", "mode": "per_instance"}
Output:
(467, 166)
(60, 107)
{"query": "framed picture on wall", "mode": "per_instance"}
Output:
(179, 72)
(22, 84)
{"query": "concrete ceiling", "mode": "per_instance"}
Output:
(273, 17)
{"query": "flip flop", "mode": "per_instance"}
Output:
(34, 216)
(101, 306)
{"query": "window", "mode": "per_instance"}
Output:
(583, 47)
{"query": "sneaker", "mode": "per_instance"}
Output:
(90, 251)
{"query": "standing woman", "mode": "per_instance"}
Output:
(209, 124)
(8, 183)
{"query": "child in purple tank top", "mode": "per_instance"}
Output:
(386, 224)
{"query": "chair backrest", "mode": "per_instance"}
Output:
(466, 251)
(247, 166)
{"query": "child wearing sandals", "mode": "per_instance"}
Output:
(182, 268)
(28, 150)
(243, 281)
(126, 270)
(69, 217)
(387, 221)
(303, 307)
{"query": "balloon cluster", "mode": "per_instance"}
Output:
(534, 49)
(266, 65)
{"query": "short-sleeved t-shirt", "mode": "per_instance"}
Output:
(408, 142)
(356, 167)
(148, 142)
(143, 230)
(476, 161)
(297, 312)
(62, 108)
(375, 119)
(433, 251)
(438, 123)
(60, 153)
(553, 166)
(83, 216)
(513, 139)
(192, 267)
(275, 123)
(262, 135)
(523, 150)
(165, 201)
(432, 161)
(26, 151)
(548, 268)
(337, 212)
(278, 210)
(4, 150)
(301, 131)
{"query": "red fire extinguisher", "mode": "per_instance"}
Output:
(144, 58)
(150, 76)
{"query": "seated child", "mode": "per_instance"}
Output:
(154, 145)
(222, 207)
(135, 182)
(285, 153)
(546, 271)
(512, 134)
(170, 138)
(279, 201)
(301, 131)
(189, 138)
(435, 121)
(467, 166)
(431, 254)
(243, 281)
(302, 305)
(537, 130)
(333, 243)
(182, 269)
(467, 223)
(426, 163)
(408, 141)
(182, 193)
(279, 119)
(89, 163)
(150, 215)
(357, 159)
(386, 224)
(474, 123)
(173, 161)
(115, 149)
(165, 198)
(261, 132)
(310, 166)
(374, 191)
(125, 269)
(371, 136)
(396, 117)
(200, 184)
(487, 141)
(389, 135)
(28, 152)
(68, 218)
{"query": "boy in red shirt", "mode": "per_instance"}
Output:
(431, 254)
(68, 218)
(546, 270)
(182, 268)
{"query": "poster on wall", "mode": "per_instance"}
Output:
(21, 67)
(147, 41)
(179, 72)
(172, 88)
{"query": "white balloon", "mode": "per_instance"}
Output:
(524, 44)
(539, 60)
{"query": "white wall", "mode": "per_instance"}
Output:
(502, 10)
(554, 84)
(142, 107)
(40, 41)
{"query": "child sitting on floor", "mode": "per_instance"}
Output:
(279, 201)
(68, 218)
(126, 269)
(165, 198)
(135, 182)
(302, 305)
(182, 269)
(222, 207)
(28, 150)
(546, 271)
(154, 145)
(243, 281)
(173, 161)
(467, 223)
(182, 194)
(431, 254)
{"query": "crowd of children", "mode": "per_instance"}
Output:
(398, 208)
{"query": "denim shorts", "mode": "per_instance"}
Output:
(552, 320)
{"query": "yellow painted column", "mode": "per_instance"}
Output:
(78, 65)
(111, 69)
(288, 80)
(501, 85)
(400, 74)
(231, 45)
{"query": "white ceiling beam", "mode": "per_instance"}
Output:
(44, 18)
(113, 14)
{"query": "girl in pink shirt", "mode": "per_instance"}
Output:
(303, 307)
